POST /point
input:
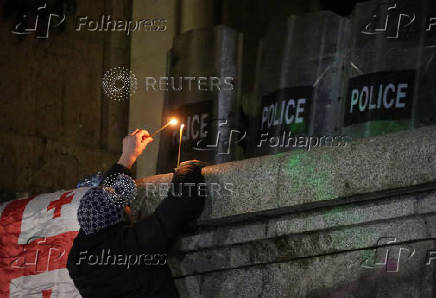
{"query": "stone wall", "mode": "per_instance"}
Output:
(55, 123)
(355, 221)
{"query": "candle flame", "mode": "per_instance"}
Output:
(173, 121)
(181, 126)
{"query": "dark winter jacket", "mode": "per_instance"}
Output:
(103, 264)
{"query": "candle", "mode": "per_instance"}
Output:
(180, 144)
(171, 122)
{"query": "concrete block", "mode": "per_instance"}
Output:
(253, 183)
(348, 274)
(365, 166)
(342, 275)
(343, 216)
(303, 245)
(309, 221)
(320, 176)
(235, 283)
(224, 235)
(236, 187)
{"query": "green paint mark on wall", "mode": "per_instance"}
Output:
(304, 172)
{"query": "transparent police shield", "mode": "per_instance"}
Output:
(300, 81)
(389, 69)
(203, 74)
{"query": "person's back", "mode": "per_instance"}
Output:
(112, 259)
(109, 267)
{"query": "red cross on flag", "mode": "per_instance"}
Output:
(36, 236)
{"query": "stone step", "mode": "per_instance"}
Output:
(318, 177)
(346, 274)
(303, 222)
(305, 245)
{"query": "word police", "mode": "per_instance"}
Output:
(390, 96)
(285, 111)
(196, 126)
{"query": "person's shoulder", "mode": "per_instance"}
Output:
(96, 239)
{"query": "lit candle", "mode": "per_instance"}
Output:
(171, 122)
(180, 144)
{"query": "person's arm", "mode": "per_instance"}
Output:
(182, 205)
(117, 184)
(133, 146)
(115, 170)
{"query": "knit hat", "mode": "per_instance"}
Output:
(102, 206)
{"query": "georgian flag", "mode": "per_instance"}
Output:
(36, 235)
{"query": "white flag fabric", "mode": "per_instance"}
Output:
(36, 236)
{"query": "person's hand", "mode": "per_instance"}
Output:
(191, 164)
(189, 171)
(133, 146)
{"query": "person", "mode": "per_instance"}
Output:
(103, 261)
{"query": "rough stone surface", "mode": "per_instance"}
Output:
(313, 220)
(349, 274)
(365, 166)
(321, 175)
(315, 224)
(303, 245)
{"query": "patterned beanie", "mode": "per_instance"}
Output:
(102, 206)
